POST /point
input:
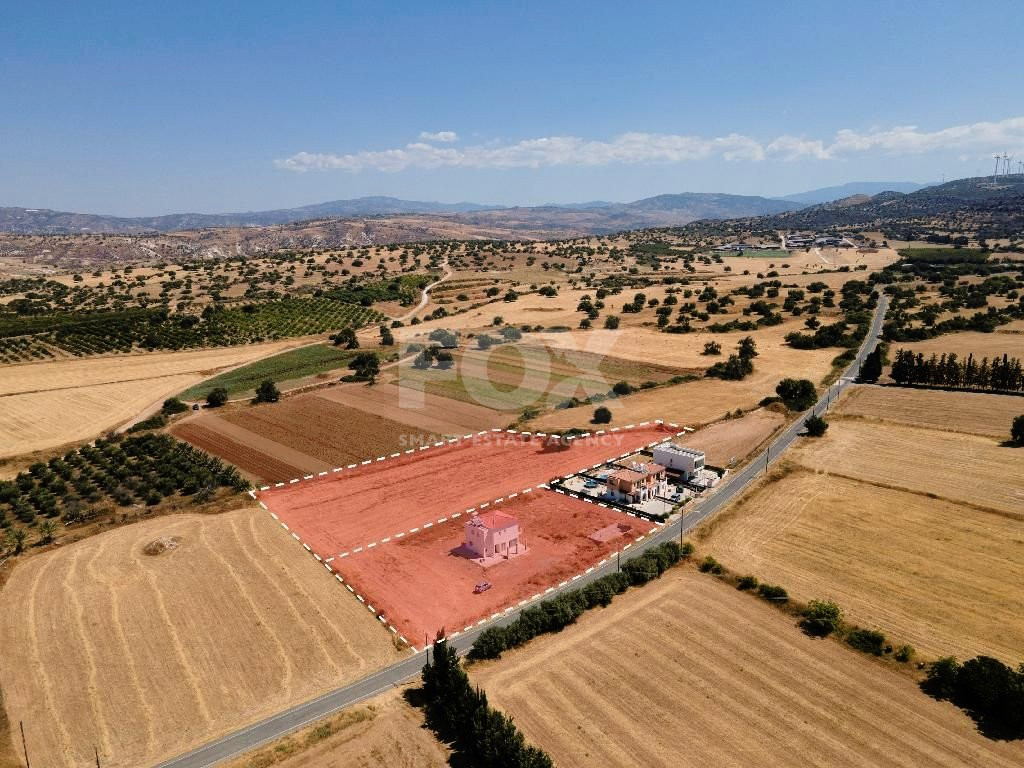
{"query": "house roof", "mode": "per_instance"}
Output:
(494, 520)
(625, 473)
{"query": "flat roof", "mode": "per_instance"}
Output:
(680, 449)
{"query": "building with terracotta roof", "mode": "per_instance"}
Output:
(638, 482)
(493, 534)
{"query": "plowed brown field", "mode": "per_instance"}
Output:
(690, 672)
(146, 656)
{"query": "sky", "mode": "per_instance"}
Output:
(144, 108)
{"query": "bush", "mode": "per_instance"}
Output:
(772, 592)
(173, 405)
(602, 415)
(821, 618)
(904, 653)
(815, 426)
(622, 388)
(611, 322)
(940, 680)
(217, 397)
(866, 640)
(746, 582)
(710, 565)
(712, 348)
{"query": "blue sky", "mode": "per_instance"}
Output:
(138, 108)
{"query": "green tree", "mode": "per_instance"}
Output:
(821, 618)
(267, 392)
(871, 368)
(815, 426)
(622, 388)
(1017, 430)
(712, 348)
(346, 337)
(611, 322)
(747, 348)
(602, 415)
(797, 394)
(366, 366)
(215, 398)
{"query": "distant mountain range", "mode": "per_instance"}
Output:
(828, 194)
(990, 208)
(663, 210)
(595, 217)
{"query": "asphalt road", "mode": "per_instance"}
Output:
(280, 724)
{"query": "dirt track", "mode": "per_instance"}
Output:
(690, 672)
(145, 656)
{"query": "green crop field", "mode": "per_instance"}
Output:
(295, 364)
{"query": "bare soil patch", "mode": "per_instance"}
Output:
(728, 443)
(145, 656)
(421, 583)
(362, 505)
(750, 688)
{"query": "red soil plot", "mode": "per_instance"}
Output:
(419, 585)
(346, 511)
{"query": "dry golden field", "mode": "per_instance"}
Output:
(48, 404)
(970, 470)
(729, 442)
(973, 413)
(145, 655)
(966, 343)
(943, 577)
(690, 672)
(384, 732)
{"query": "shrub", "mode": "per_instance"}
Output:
(602, 415)
(815, 426)
(611, 322)
(173, 405)
(866, 640)
(821, 618)
(217, 397)
(622, 388)
(772, 592)
(712, 348)
(710, 565)
(746, 582)
(904, 653)
(940, 680)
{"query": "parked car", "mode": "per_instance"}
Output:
(591, 484)
(483, 586)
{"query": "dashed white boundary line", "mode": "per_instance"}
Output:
(380, 616)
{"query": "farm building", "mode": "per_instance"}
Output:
(493, 534)
(687, 461)
(638, 482)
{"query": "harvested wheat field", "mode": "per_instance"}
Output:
(384, 732)
(944, 577)
(974, 471)
(147, 655)
(730, 442)
(973, 413)
(690, 672)
(45, 405)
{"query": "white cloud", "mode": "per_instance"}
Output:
(655, 148)
(443, 136)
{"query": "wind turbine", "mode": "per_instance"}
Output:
(996, 171)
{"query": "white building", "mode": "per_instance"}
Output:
(687, 461)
